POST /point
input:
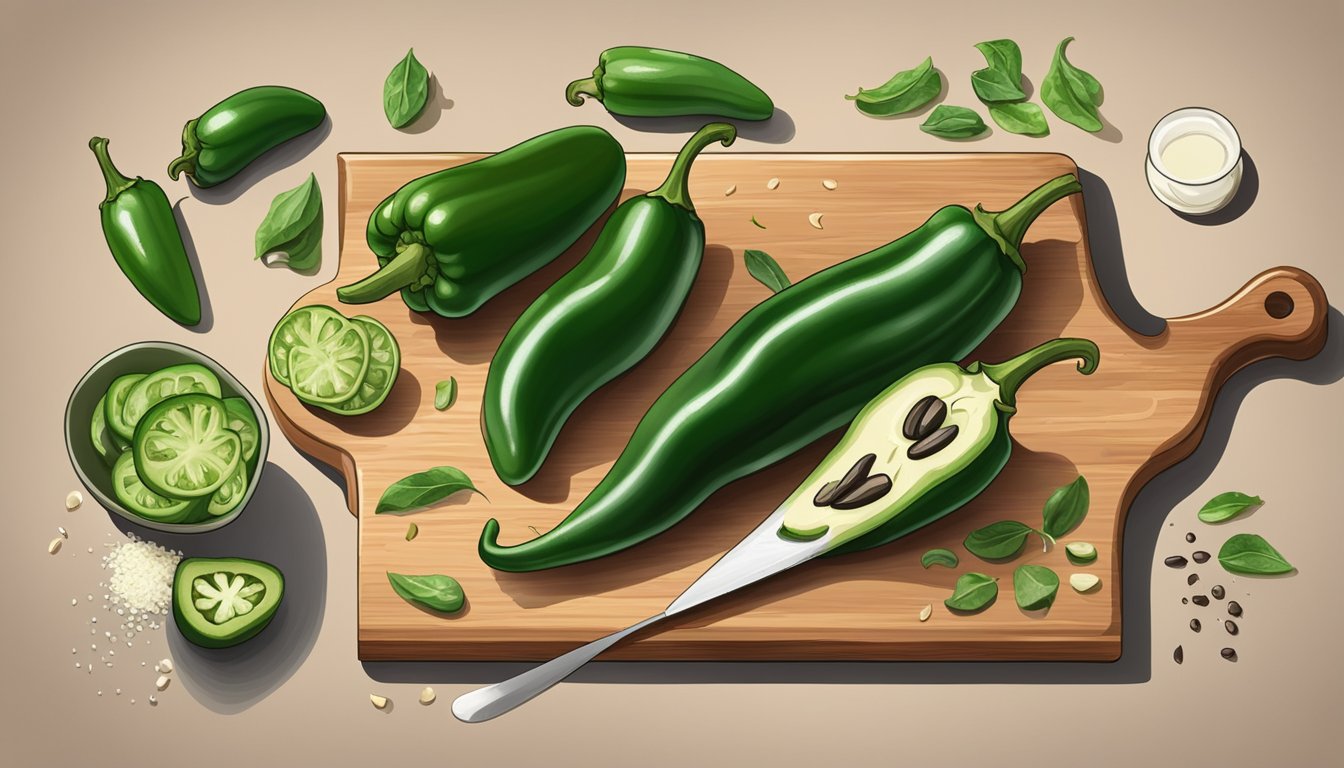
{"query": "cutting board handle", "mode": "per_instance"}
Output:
(1281, 312)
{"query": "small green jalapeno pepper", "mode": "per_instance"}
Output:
(142, 233)
(627, 291)
(451, 240)
(925, 447)
(236, 131)
(651, 82)
(795, 367)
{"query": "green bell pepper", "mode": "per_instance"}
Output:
(221, 602)
(451, 240)
(651, 82)
(220, 143)
(797, 366)
(636, 279)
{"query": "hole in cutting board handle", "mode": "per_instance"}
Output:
(1279, 305)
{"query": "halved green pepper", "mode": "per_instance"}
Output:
(220, 143)
(219, 602)
(651, 82)
(451, 240)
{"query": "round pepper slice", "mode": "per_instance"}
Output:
(114, 402)
(331, 371)
(132, 493)
(306, 326)
(223, 500)
(184, 448)
(384, 362)
(220, 602)
(161, 385)
(243, 421)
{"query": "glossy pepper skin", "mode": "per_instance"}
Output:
(797, 366)
(651, 82)
(451, 240)
(626, 292)
(236, 131)
(141, 232)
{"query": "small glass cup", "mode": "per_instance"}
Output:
(1195, 196)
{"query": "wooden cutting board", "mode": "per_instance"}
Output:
(1145, 409)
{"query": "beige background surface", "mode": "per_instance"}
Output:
(134, 72)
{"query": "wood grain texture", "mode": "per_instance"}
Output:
(1144, 409)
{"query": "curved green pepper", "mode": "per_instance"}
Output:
(651, 82)
(451, 240)
(141, 232)
(798, 365)
(634, 281)
(236, 131)
(923, 448)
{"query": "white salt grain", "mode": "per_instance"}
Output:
(54, 546)
(61, 531)
(162, 682)
(772, 184)
(166, 666)
(73, 500)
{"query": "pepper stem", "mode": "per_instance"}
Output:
(191, 148)
(675, 189)
(1010, 374)
(410, 269)
(587, 86)
(115, 179)
(1010, 225)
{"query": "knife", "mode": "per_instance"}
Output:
(763, 553)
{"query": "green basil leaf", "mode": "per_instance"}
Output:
(1001, 81)
(765, 269)
(1071, 93)
(1003, 56)
(1249, 554)
(904, 92)
(292, 231)
(947, 122)
(1024, 118)
(434, 591)
(997, 541)
(1066, 508)
(423, 489)
(974, 592)
(405, 91)
(1226, 506)
(939, 556)
(445, 394)
(1034, 587)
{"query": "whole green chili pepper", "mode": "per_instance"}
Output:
(795, 367)
(923, 448)
(236, 131)
(142, 234)
(451, 240)
(651, 82)
(627, 291)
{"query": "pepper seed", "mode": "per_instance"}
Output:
(1201, 556)
(1200, 600)
(932, 419)
(1178, 655)
(933, 443)
(1231, 627)
(826, 495)
(869, 490)
(1194, 624)
(1234, 608)
(917, 416)
(1218, 592)
(1229, 653)
(1193, 578)
(1190, 538)
(1175, 561)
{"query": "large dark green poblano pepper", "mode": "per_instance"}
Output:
(797, 366)
(451, 240)
(142, 233)
(220, 143)
(598, 320)
(651, 82)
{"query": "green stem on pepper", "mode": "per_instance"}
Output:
(1010, 374)
(675, 189)
(115, 179)
(1010, 225)
(191, 147)
(584, 86)
(409, 269)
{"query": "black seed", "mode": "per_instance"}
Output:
(1231, 627)
(918, 414)
(1200, 600)
(1178, 655)
(1229, 653)
(1193, 578)
(1184, 600)
(826, 495)
(1194, 624)
(1190, 538)
(932, 419)
(849, 482)
(1218, 591)
(1175, 561)
(869, 490)
(1234, 608)
(1201, 556)
(933, 443)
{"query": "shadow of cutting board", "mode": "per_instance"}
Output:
(1145, 409)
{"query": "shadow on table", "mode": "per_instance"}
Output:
(279, 526)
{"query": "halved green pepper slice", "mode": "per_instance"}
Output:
(220, 602)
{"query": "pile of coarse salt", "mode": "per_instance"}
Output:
(142, 576)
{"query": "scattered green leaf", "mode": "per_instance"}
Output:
(949, 122)
(939, 556)
(766, 270)
(1066, 508)
(1249, 554)
(906, 91)
(974, 592)
(412, 531)
(1022, 118)
(1226, 506)
(757, 223)
(1071, 93)
(997, 541)
(1001, 81)
(1080, 552)
(434, 591)
(291, 233)
(445, 394)
(405, 91)
(1034, 587)
(422, 489)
